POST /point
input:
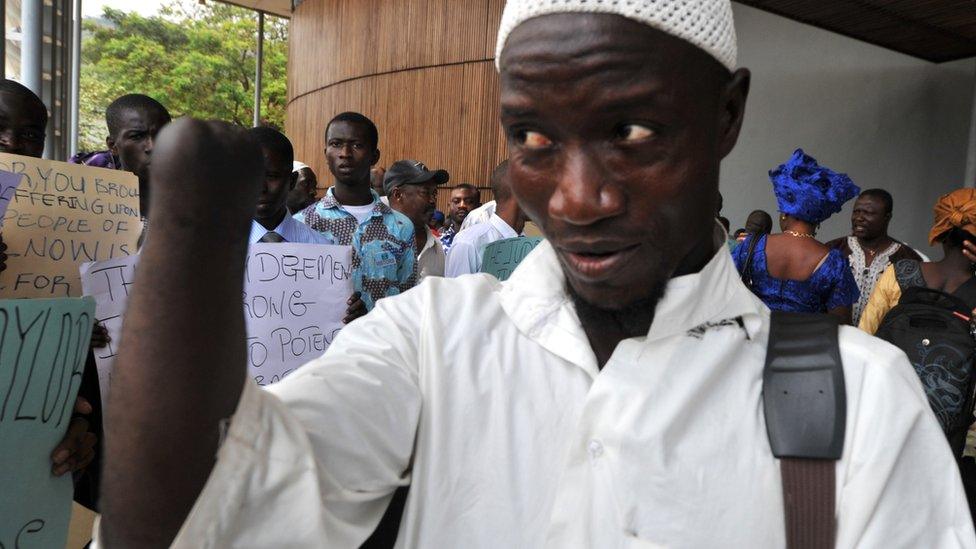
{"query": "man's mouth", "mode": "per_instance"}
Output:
(598, 261)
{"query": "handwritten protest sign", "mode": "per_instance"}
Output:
(9, 182)
(63, 215)
(294, 301)
(501, 257)
(43, 345)
(109, 283)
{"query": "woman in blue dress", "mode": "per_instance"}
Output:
(792, 270)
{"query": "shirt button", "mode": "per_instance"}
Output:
(595, 448)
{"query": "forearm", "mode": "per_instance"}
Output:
(180, 368)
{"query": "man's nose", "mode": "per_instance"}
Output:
(10, 142)
(584, 193)
(150, 143)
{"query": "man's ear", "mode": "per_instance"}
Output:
(733, 104)
(110, 143)
(292, 181)
(376, 157)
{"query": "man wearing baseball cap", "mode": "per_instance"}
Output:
(412, 190)
(609, 394)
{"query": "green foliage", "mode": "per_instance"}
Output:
(197, 60)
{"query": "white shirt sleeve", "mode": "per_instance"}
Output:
(313, 460)
(462, 259)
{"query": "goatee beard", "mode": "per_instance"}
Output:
(632, 320)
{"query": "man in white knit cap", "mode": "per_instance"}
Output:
(608, 395)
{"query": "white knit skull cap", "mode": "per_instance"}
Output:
(705, 23)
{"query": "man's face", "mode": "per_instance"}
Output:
(22, 125)
(349, 153)
(304, 192)
(615, 135)
(869, 219)
(278, 181)
(417, 202)
(133, 144)
(462, 202)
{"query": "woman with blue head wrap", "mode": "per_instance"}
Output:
(793, 271)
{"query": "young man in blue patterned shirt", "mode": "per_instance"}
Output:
(351, 214)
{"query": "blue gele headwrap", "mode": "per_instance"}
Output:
(809, 191)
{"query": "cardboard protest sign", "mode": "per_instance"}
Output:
(63, 215)
(294, 301)
(501, 257)
(9, 182)
(43, 346)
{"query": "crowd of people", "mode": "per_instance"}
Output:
(607, 394)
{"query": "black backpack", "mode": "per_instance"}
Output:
(934, 329)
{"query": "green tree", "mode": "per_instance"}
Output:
(196, 59)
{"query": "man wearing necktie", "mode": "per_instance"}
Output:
(271, 221)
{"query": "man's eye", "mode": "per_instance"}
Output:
(532, 139)
(634, 132)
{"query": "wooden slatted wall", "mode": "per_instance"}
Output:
(422, 70)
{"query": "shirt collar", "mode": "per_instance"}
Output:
(329, 201)
(536, 300)
(502, 227)
(286, 229)
(431, 241)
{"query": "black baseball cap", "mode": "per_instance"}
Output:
(411, 172)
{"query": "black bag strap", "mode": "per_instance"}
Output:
(805, 405)
(908, 273)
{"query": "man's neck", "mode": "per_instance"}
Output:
(420, 237)
(605, 329)
(353, 194)
(510, 214)
(271, 223)
(875, 243)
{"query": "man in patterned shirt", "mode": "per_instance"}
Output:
(869, 248)
(351, 214)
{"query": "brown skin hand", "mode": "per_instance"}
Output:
(350, 156)
(869, 224)
(160, 451)
(615, 134)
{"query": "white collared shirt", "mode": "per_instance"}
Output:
(432, 258)
(491, 406)
(479, 215)
(291, 229)
(468, 248)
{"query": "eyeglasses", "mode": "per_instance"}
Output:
(429, 194)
